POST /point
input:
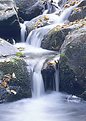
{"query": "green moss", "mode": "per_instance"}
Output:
(22, 80)
(20, 54)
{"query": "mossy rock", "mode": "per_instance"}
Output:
(72, 64)
(21, 84)
(54, 39)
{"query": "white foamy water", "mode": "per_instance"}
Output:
(51, 107)
(38, 84)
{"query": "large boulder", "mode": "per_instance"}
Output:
(29, 9)
(19, 87)
(55, 38)
(72, 65)
(9, 23)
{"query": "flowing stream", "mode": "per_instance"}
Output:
(50, 106)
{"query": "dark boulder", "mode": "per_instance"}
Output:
(48, 74)
(72, 64)
(29, 9)
(9, 23)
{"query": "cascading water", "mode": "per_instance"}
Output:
(51, 107)
(36, 36)
(35, 59)
(23, 32)
(38, 85)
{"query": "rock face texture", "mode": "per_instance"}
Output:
(21, 84)
(78, 13)
(48, 74)
(49, 71)
(9, 23)
(29, 9)
(72, 64)
(54, 39)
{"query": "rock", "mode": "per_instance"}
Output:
(54, 39)
(6, 48)
(83, 95)
(56, 36)
(21, 85)
(83, 3)
(9, 23)
(29, 9)
(72, 65)
(48, 74)
(78, 13)
(37, 22)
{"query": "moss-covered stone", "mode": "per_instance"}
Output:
(54, 39)
(73, 63)
(21, 84)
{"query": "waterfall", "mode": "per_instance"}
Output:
(37, 81)
(37, 55)
(36, 36)
(23, 31)
(35, 58)
(66, 13)
(38, 85)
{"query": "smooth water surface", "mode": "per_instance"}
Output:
(50, 107)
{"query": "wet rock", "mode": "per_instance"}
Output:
(6, 48)
(9, 23)
(38, 22)
(78, 13)
(56, 36)
(20, 86)
(83, 95)
(73, 63)
(54, 39)
(29, 9)
(48, 74)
